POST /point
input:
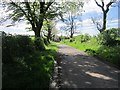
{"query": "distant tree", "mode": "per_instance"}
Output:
(48, 28)
(71, 9)
(105, 9)
(49, 23)
(70, 25)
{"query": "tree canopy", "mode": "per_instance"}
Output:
(34, 12)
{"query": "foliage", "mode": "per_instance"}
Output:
(48, 26)
(20, 44)
(72, 39)
(110, 54)
(84, 38)
(56, 38)
(23, 65)
(32, 12)
(45, 41)
(39, 43)
(109, 37)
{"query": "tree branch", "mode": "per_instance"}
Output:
(28, 18)
(48, 5)
(102, 3)
(108, 5)
(98, 4)
(101, 6)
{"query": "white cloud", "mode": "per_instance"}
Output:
(18, 29)
(115, 21)
(91, 6)
(87, 22)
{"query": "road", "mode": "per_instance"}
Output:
(80, 70)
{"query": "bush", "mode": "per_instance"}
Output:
(84, 38)
(92, 52)
(23, 66)
(16, 46)
(45, 41)
(110, 54)
(39, 43)
(109, 37)
(72, 39)
(56, 39)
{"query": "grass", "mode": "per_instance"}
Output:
(92, 46)
(25, 67)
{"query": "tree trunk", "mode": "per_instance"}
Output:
(37, 32)
(72, 32)
(71, 36)
(49, 35)
(39, 43)
(104, 20)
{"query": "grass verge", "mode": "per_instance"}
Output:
(92, 47)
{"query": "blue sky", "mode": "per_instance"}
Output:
(91, 10)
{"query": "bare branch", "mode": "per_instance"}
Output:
(98, 4)
(108, 5)
(101, 6)
(102, 3)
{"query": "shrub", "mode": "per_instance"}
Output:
(72, 39)
(84, 38)
(109, 37)
(23, 66)
(45, 41)
(39, 43)
(90, 51)
(14, 46)
(110, 54)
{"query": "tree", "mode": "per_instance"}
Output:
(105, 11)
(48, 26)
(33, 12)
(54, 33)
(49, 21)
(71, 24)
(72, 9)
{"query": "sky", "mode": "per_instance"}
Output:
(86, 26)
(92, 10)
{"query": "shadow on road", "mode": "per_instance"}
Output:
(77, 69)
